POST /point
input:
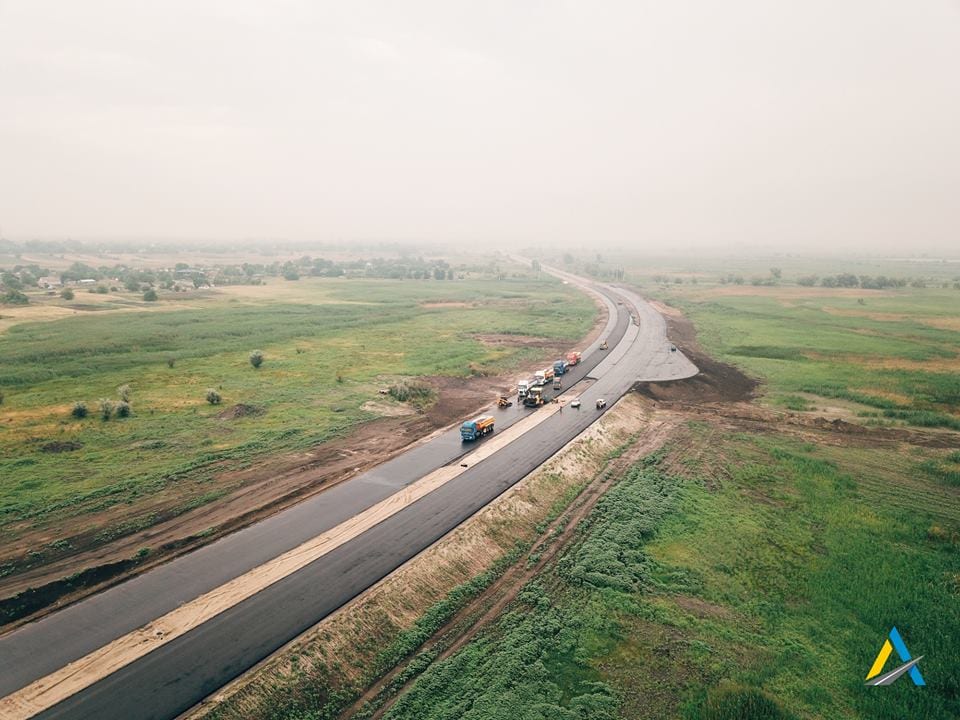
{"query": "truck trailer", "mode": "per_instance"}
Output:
(476, 428)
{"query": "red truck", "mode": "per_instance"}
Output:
(573, 358)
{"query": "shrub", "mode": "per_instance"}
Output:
(256, 358)
(67, 294)
(123, 409)
(150, 295)
(106, 408)
(14, 297)
(79, 410)
(124, 392)
(171, 361)
(102, 290)
(213, 397)
(411, 391)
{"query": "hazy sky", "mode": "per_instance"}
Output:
(785, 123)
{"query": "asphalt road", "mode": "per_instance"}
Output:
(180, 673)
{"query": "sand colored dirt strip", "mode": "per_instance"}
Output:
(70, 679)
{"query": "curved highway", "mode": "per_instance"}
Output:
(179, 673)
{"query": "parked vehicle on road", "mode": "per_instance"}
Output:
(603, 345)
(575, 404)
(560, 367)
(557, 384)
(476, 428)
(523, 387)
(504, 402)
(601, 403)
(573, 358)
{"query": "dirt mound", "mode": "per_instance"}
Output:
(61, 446)
(716, 381)
(240, 410)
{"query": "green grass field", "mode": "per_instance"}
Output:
(766, 596)
(896, 355)
(328, 344)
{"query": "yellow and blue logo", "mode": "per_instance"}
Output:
(909, 664)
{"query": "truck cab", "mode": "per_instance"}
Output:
(540, 378)
(573, 358)
(523, 387)
(560, 367)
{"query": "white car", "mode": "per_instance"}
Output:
(574, 403)
(601, 403)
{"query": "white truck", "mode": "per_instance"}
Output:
(540, 378)
(523, 387)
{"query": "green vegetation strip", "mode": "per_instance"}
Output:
(767, 597)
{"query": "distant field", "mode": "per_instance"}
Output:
(895, 354)
(328, 343)
(755, 577)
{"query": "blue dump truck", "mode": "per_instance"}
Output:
(560, 367)
(477, 428)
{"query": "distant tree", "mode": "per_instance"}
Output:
(919, 283)
(807, 280)
(213, 397)
(132, 284)
(14, 297)
(124, 392)
(79, 410)
(568, 259)
(535, 265)
(776, 272)
(291, 274)
(256, 358)
(66, 294)
(123, 409)
(106, 408)
(102, 290)
(10, 281)
(450, 274)
(150, 295)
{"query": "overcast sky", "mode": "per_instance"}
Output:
(792, 124)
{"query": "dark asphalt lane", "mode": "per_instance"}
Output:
(39, 648)
(181, 673)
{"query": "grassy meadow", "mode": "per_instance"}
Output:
(895, 354)
(890, 355)
(328, 344)
(759, 582)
